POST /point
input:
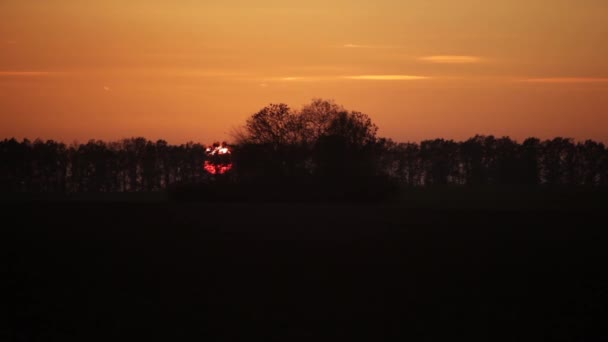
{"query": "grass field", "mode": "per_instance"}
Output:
(435, 265)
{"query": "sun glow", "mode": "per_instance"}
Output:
(219, 159)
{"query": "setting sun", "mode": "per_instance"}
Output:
(218, 159)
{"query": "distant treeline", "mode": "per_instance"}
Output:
(487, 160)
(320, 145)
(138, 164)
(128, 165)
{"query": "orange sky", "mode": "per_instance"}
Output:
(194, 69)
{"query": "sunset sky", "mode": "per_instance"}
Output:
(193, 70)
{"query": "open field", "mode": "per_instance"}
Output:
(429, 267)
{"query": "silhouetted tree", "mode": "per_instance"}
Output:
(344, 153)
(556, 161)
(505, 162)
(529, 172)
(315, 119)
(273, 125)
(163, 164)
(590, 157)
(474, 160)
(322, 140)
(410, 164)
(603, 168)
(439, 160)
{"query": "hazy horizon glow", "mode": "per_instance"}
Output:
(193, 70)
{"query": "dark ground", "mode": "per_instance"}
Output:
(434, 266)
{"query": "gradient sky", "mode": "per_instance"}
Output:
(193, 70)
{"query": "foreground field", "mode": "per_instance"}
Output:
(426, 268)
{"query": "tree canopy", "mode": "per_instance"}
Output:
(278, 125)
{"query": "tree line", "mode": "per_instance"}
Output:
(321, 143)
(128, 165)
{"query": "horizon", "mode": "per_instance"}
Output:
(230, 142)
(187, 71)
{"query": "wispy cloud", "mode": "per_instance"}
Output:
(567, 80)
(25, 73)
(449, 59)
(297, 79)
(364, 46)
(349, 77)
(386, 77)
(356, 46)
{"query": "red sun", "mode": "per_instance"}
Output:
(219, 160)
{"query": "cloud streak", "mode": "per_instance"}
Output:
(449, 59)
(351, 77)
(363, 46)
(25, 73)
(356, 46)
(568, 80)
(386, 77)
(297, 79)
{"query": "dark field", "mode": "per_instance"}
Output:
(492, 266)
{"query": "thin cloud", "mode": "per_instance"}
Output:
(567, 80)
(356, 46)
(349, 77)
(25, 73)
(386, 77)
(363, 46)
(446, 59)
(299, 79)
(211, 73)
